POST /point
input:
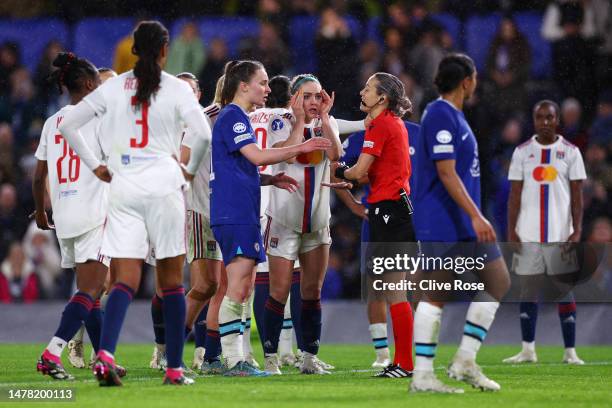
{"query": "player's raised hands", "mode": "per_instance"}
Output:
(297, 106)
(327, 102)
(316, 143)
(103, 174)
(281, 180)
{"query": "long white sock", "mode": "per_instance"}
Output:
(246, 318)
(478, 320)
(285, 342)
(378, 332)
(230, 323)
(79, 334)
(56, 346)
(426, 333)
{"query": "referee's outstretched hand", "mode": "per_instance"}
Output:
(483, 229)
(281, 180)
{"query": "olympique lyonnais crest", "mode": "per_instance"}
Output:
(560, 154)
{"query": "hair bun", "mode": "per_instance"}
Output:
(63, 59)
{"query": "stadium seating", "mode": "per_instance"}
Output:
(530, 25)
(479, 32)
(33, 35)
(96, 38)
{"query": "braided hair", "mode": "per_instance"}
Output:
(149, 38)
(72, 72)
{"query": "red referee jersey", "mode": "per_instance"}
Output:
(386, 138)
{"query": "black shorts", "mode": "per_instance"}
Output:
(390, 221)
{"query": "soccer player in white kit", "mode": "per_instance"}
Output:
(298, 224)
(545, 211)
(79, 203)
(148, 109)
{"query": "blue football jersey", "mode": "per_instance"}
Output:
(234, 180)
(445, 135)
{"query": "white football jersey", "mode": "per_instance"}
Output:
(264, 121)
(78, 198)
(307, 209)
(546, 171)
(145, 140)
(197, 198)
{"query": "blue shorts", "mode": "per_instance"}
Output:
(465, 249)
(365, 231)
(240, 240)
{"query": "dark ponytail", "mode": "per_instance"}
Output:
(280, 95)
(453, 69)
(149, 38)
(236, 72)
(71, 72)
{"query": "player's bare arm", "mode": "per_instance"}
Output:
(456, 189)
(514, 208)
(261, 157)
(577, 209)
(38, 191)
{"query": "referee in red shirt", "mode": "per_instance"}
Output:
(385, 160)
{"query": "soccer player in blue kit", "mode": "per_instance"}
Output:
(447, 210)
(235, 197)
(377, 311)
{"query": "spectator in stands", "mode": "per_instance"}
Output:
(415, 92)
(9, 62)
(603, 24)
(40, 248)
(124, 59)
(47, 92)
(369, 60)
(398, 16)
(507, 68)
(18, 280)
(574, 60)
(272, 11)
(213, 69)
(553, 21)
(12, 222)
(303, 7)
(269, 49)
(601, 231)
(395, 59)
(601, 131)
(571, 123)
(338, 61)
(427, 54)
(24, 109)
(7, 162)
(187, 53)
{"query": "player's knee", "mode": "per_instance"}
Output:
(311, 292)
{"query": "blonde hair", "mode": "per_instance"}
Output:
(218, 89)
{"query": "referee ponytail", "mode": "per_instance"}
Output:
(390, 86)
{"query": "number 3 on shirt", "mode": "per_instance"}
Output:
(144, 122)
(261, 133)
(74, 162)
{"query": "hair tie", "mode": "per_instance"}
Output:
(303, 79)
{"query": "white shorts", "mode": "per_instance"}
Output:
(201, 243)
(537, 259)
(83, 248)
(137, 222)
(287, 243)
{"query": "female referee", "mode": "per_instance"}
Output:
(235, 197)
(385, 160)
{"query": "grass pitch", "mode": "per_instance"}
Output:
(546, 384)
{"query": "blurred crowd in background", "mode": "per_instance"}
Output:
(403, 38)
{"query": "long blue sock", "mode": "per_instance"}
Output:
(174, 318)
(213, 345)
(295, 303)
(93, 324)
(75, 312)
(274, 313)
(311, 325)
(262, 291)
(529, 318)
(199, 328)
(157, 315)
(118, 302)
(567, 316)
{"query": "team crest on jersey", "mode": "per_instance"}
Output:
(273, 242)
(211, 246)
(277, 124)
(444, 136)
(256, 247)
(125, 159)
(318, 132)
(560, 154)
(239, 127)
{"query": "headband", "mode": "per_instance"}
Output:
(299, 82)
